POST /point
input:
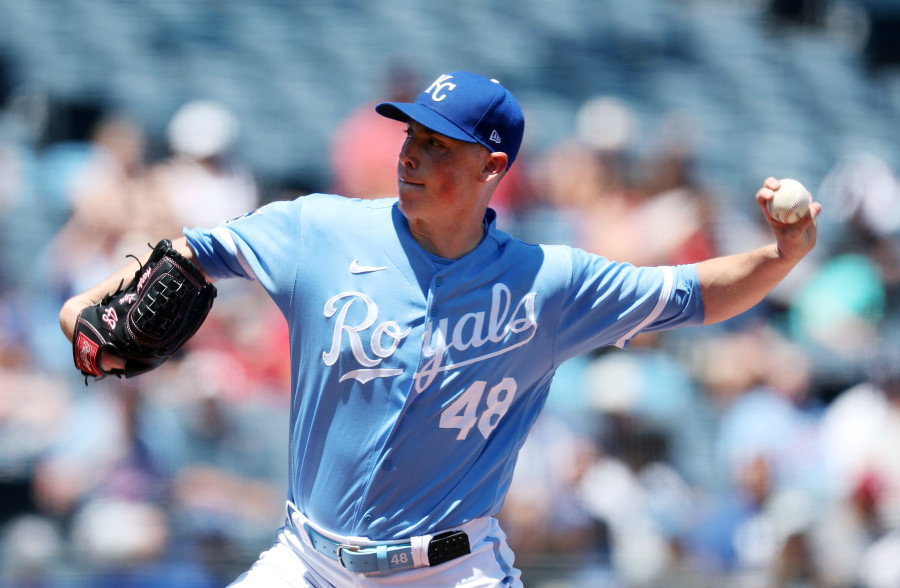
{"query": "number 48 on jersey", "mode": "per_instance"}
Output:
(463, 412)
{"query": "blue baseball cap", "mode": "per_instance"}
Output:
(467, 107)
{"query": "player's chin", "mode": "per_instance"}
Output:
(410, 194)
(406, 205)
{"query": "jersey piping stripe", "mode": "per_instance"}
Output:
(225, 236)
(495, 542)
(668, 282)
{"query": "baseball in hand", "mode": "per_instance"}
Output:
(790, 203)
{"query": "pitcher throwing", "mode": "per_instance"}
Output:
(424, 339)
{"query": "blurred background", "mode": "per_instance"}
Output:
(758, 453)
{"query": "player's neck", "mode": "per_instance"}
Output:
(448, 240)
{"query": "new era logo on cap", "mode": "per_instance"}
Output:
(467, 107)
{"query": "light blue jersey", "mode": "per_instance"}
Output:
(416, 379)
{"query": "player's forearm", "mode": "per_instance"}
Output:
(735, 283)
(74, 305)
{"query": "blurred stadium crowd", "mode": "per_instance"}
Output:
(758, 453)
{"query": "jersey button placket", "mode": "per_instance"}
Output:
(435, 284)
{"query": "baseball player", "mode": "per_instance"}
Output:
(423, 342)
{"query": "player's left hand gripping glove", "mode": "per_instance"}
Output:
(149, 320)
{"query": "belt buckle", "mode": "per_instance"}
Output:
(340, 548)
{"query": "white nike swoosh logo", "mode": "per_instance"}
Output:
(355, 268)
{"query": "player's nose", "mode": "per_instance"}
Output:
(407, 158)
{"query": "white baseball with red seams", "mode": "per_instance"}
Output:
(790, 203)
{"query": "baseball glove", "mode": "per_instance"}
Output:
(149, 320)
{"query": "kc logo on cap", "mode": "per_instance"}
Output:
(437, 88)
(467, 107)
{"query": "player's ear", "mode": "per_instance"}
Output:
(494, 166)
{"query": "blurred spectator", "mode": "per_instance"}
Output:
(760, 384)
(606, 129)
(662, 218)
(602, 487)
(365, 146)
(677, 209)
(576, 188)
(840, 312)
(857, 538)
(755, 536)
(203, 180)
(110, 473)
(862, 193)
(609, 128)
(31, 552)
(647, 384)
(642, 501)
(34, 405)
(755, 526)
(544, 512)
(561, 182)
(112, 213)
(227, 494)
(114, 446)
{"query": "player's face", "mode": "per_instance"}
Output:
(437, 174)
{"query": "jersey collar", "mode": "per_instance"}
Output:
(418, 266)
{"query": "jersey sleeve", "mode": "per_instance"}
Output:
(609, 303)
(263, 245)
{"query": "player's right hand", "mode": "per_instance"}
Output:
(795, 240)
